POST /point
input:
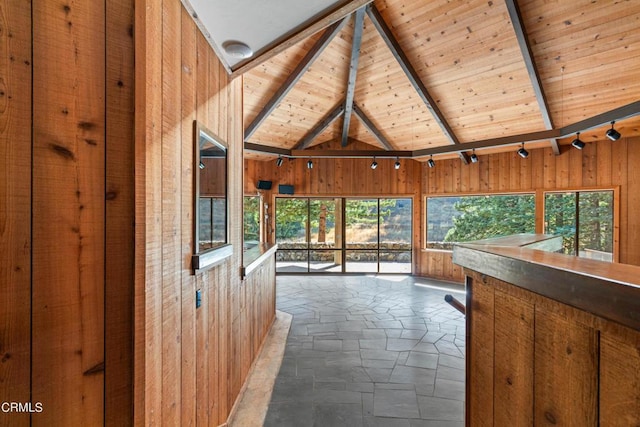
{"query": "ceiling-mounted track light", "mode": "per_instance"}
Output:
(430, 162)
(577, 143)
(613, 134)
(396, 165)
(201, 165)
(374, 164)
(522, 152)
(473, 157)
(279, 162)
(310, 164)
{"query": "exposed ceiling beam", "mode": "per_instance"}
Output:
(342, 154)
(534, 76)
(320, 127)
(372, 128)
(412, 75)
(266, 149)
(293, 78)
(617, 114)
(353, 73)
(307, 29)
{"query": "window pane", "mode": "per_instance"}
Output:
(467, 218)
(395, 224)
(560, 219)
(361, 262)
(251, 223)
(291, 261)
(395, 262)
(205, 231)
(291, 223)
(322, 224)
(596, 225)
(362, 223)
(325, 261)
(219, 221)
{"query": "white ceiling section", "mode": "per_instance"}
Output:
(257, 23)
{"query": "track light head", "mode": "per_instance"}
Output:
(310, 164)
(430, 162)
(201, 165)
(522, 152)
(577, 143)
(279, 162)
(396, 165)
(613, 134)
(374, 164)
(473, 157)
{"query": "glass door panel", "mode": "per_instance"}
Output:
(322, 223)
(560, 219)
(395, 224)
(595, 230)
(291, 223)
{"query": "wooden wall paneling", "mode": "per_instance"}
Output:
(15, 206)
(562, 169)
(619, 380)
(171, 212)
(505, 181)
(119, 256)
(483, 174)
(603, 164)
(525, 174)
(589, 165)
(539, 168)
(494, 172)
(189, 349)
(513, 342)
(575, 169)
(549, 167)
(566, 371)
(148, 300)
(632, 233)
(480, 357)
(68, 231)
(206, 341)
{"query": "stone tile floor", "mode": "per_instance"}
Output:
(368, 351)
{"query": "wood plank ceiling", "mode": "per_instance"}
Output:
(441, 77)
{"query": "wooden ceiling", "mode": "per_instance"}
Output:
(438, 77)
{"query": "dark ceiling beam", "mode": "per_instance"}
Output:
(353, 73)
(293, 78)
(412, 75)
(617, 114)
(307, 29)
(345, 154)
(266, 149)
(320, 127)
(534, 76)
(371, 127)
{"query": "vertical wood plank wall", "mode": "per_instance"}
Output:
(190, 363)
(600, 164)
(97, 299)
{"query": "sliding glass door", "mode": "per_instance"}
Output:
(343, 235)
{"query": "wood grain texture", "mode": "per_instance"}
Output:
(69, 196)
(566, 367)
(15, 206)
(119, 231)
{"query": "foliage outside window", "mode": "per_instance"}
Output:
(585, 221)
(466, 218)
(251, 223)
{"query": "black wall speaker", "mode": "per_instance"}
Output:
(264, 185)
(285, 189)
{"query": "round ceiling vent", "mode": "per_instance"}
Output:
(237, 49)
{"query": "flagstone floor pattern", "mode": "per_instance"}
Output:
(368, 351)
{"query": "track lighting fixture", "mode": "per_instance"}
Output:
(201, 165)
(374, 164)
(310, 164)
(279, 162)
(522, 152)
(577, 143)
(430, 162)
(396, 165)
(613, 134)
(473, 157)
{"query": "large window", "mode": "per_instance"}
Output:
(343, 235)
(585, 221)
(466, 218)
